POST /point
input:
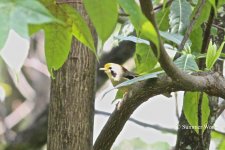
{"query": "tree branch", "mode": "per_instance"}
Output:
(211, 83)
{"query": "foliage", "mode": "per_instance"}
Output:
(104, 24)
(190, 107)
(17, 14)
(60, 22)
(213, 54)
(179, 16)
(187, 63)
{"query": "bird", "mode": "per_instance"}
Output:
(117, 73)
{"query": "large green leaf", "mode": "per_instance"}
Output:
(190, 107)
(213, 55)
(187, 63)
(17, 14)
(145, 60)
(179, 16)
(103, 14)
(143, 27)
(196, 40)
(79, 27)
(59, 36)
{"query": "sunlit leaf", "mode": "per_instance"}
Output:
(213, 55)
(79, 27)
(58, 36)
(103, 14)
(190, 108)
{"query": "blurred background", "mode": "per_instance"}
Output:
(25, 97)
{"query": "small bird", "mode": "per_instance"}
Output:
(117, 73)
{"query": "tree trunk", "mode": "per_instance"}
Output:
(71, 110)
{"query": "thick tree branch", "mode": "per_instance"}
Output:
(212, 84)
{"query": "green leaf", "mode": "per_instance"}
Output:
(190, 107)
(103, 14)
(203, 16)
(162, 19)
(175, 38)
(132, 81)
(17, 14)
(138, 79)
(59, 36)
(196, 40)
(213, 55)
(79, 28)
(145, 60)
(179, 16)
(187, 63)
(143, 27)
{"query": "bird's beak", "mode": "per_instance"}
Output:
(102, 69)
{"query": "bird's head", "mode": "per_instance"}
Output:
(114, 71)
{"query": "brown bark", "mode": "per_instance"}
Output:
(71, 110)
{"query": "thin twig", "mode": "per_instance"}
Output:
(161, 5)
(200, 120)
(68, 2)
(218, 27)
(206, 38)
(192, 23)
(143, 124)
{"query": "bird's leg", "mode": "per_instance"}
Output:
(120, 103)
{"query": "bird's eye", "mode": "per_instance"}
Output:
(110, 68)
